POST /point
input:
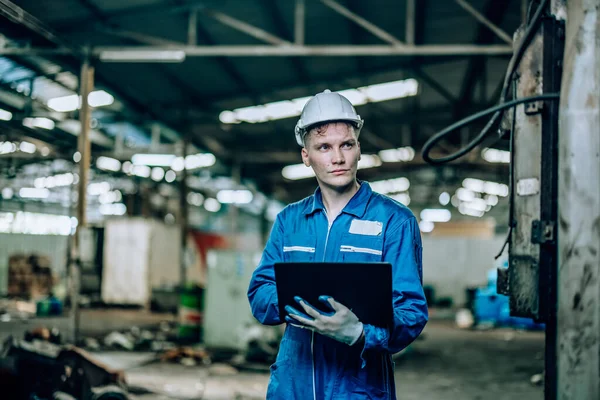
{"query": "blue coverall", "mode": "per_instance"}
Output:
(312, 366)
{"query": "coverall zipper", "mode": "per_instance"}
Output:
(312, 338)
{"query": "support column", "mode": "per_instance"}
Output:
(86, 81)
(184, 215)
(579, 207)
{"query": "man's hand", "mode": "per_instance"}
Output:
(341, 324)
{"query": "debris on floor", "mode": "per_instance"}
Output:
(39, 369)
(186, 356)
(11, 309)
(136, 339)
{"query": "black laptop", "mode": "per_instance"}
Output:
(365, 288)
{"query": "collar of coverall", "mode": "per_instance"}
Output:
(356, 206)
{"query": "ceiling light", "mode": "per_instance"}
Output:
(7, 193)
(234, 196)
(297, 171)
(7, 147)
(491, 199)
(195, 199)
(391, 90)
(142, 55)
(34, 193)
(444, 198)
(212, 205)
(38, 122)
(496, 156)
(465, 194)
(403, 198)
(50, 182)
(498, 189)
(391, 185)
(291, 108)
(476, 185)
(170, 176)
(98, 188)
(113, 209)
(466, 210)
(27, 147)
(404, 154)
(100, 98)
(369, 161)
(200, 160)
(157, 174)
(426, 226)
(65, 103)
(153, 160)
(436, 215)
(5, 115)
(142, 171)
(477, 205)
(108, 164)
(127, 167)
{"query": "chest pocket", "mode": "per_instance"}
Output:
(299, 248)
(361, 248)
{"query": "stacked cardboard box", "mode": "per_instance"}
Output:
(29, 276)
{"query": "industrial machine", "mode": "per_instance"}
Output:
(548, 111)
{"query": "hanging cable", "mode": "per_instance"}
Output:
(497, 110)
(511, 182)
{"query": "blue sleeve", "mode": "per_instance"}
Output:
(403, 249)
(262, 292)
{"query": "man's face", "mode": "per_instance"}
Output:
(333, 154)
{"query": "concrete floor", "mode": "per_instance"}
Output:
(447, 364)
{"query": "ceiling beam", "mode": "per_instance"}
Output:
(367, 25)
(495, 11)
(241, 26)
(485, 21)
(274, 12)
(71, 25)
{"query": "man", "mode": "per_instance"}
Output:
(334, 355)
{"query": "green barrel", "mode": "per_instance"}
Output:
(191, 310)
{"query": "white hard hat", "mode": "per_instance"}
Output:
(324, 107)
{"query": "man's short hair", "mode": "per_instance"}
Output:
(321, 128)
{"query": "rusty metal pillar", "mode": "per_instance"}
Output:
(579, 206)
(86, 82)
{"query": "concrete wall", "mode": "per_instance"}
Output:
(451, 265)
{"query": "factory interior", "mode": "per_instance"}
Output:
(147, 148)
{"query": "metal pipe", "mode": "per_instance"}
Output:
(374, 29)
(293, 50)
(578, 336)
(482, 18)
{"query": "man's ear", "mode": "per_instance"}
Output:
(359, 153)
(305, 157)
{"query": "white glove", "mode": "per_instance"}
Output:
(341, 324)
